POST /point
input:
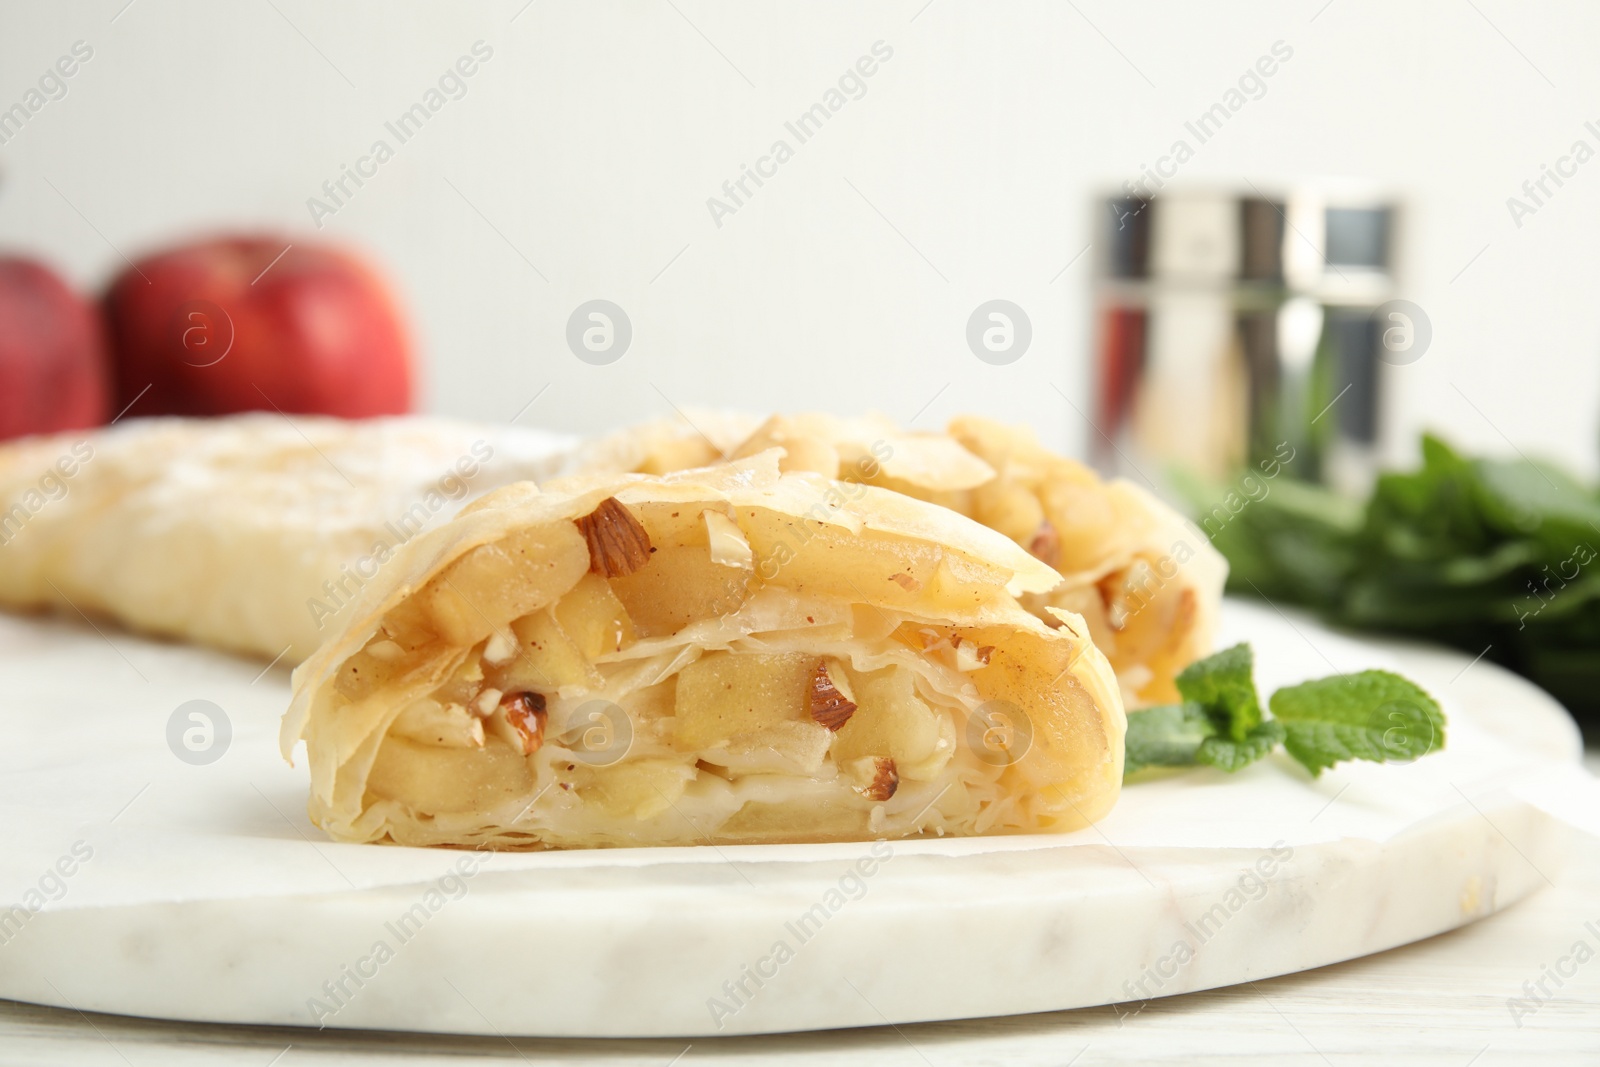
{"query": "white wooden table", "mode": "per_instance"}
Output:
(1442, 1001)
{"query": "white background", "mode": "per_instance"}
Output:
(593, 137)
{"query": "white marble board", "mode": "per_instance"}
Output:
(147, 885)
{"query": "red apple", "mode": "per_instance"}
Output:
(52, 354)
(240, 324)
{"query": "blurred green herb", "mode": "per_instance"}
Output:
(1370, 715)
(1492, 556)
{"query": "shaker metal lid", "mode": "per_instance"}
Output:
(1302, 240)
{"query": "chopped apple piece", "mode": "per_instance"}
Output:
(495, 583)
(548, 659)
(809, 454)
(943, 750)
(386, 650)
(890, 720)
(1065, 726)
(780, 748)
(594, 618)
(1149, 618)
(409, 625)
(653, 704)
(959, 580)
(724, 694)
(679, 454)
(1089, 519)
(868, 473)
(440, 780)
(672, 524)
(1045, 544)
(727, 542)
(463, 684)
(641, 788)
(365, 673)
(870, 623)
(1011, 508)
(677, 587)
(827, 560)
(1086, 602)
(803, 451)
(830, 561)
(429, 722)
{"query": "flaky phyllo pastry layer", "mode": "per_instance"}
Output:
(253, 533)
(1147, 583)
(721, 655)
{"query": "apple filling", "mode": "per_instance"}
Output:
(676, 672)
(1124, 558)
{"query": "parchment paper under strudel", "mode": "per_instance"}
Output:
(721, 655)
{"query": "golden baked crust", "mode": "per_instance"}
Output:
(251, 533)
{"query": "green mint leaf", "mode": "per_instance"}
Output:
(1520, 496)
(1166, 736)
(1224, 684)
(1371, 715)
(1231, 756)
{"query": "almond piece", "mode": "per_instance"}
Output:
(906, 582)
(618, 543)
(970, 657)
(500, 648)
(484, 704)
(526, 716)
(1046, 544)
(885, 779)
(829, 707)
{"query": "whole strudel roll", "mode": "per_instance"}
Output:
(728, 654)
(252, 533)
(1147, 582)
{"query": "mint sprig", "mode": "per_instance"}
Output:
(1498, 558)
(1370, 715)
(1230, 756)
(1166, 736)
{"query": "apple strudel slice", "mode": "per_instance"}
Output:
(721, 655)
(252, 533)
